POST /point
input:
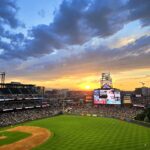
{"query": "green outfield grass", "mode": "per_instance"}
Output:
(92, 133)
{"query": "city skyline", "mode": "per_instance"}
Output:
(69, 43)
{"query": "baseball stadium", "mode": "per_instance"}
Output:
(78, 74)
(31, 119)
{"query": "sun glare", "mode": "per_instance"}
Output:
(87, 87)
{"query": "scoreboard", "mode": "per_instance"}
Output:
(107, 96)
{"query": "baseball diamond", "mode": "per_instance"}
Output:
(70, 132)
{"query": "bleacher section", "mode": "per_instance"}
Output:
(17, 91)
(19, 96)
(4, 91)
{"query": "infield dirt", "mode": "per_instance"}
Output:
(37, 137)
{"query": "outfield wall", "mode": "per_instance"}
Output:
(146, 124)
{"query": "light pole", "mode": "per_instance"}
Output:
(143, 83)
(63, 106)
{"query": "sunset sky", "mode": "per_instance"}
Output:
(69, 43)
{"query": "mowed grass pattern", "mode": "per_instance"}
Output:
(92, 133)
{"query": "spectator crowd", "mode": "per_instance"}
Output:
(20, 116)
(106, 111)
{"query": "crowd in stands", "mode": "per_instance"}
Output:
(55, 107)
(27, 103)
(19, 104)
(106, 111)
(141, 101)
(20, 116)
(23, 102)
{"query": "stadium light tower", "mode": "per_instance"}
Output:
(2, 78)
(143, 83)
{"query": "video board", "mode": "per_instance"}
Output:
(107, 96)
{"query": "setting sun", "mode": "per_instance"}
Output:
(87, 87)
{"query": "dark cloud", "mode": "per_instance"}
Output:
(8, 10)
(90, 61)
(135, 55)
(139, 9)
(106, 17)
(67, 21)
(9, 41)
(75, 23)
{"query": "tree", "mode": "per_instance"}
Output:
(140, 117)
(146, 119)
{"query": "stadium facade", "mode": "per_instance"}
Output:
(17, 96)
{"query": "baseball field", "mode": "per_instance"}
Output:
(67, 132)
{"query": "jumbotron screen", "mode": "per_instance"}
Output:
(107, 96)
